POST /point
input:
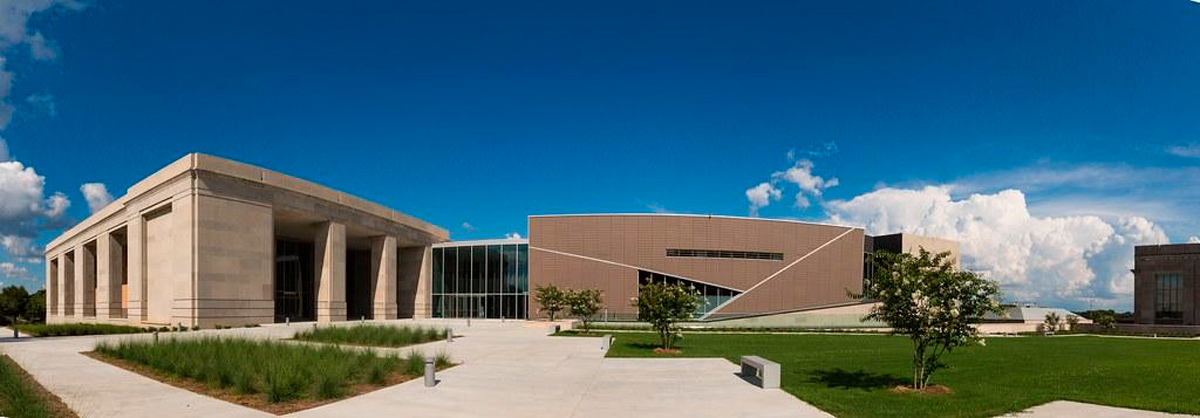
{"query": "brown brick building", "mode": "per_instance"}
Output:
(1165, 284)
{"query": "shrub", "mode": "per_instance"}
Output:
(58, 330)
(373, 335)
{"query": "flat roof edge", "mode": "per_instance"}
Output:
(694, 215)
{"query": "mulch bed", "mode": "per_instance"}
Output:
(931, 390)
(54, 404)
(661, 350)
(258, 400)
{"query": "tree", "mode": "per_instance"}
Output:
(1072, 321)
(13, 301)
(662, 305)
(1052, 322)
(1105, 319)
(35, 309)
(551, 299)
(937, 306)
(584, 304)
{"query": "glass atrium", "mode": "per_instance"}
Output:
(481, 279)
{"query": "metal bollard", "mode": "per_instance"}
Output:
(449, 335)
(156, 337)
(554, 329)
(287, 320)
(15, 334)
(430, 379)
(604, 345)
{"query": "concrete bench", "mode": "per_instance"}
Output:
(765, 371)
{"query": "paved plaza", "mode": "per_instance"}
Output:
(506, 369)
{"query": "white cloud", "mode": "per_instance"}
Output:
(1193, 240)
(42, 103)
(512, 235)
(3, 150)
(1048, 259)
(21, 249)
(1191, 150)
(96, 195)
(14, 272)
(14, 17)
(657, 208)
(467, 226)
(41, 48)
(761, 196)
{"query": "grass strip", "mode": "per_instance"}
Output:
(373, 335)
(22, 397)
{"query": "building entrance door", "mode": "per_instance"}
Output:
(294, 298)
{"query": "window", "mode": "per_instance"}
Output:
(742, 255)
(711, 296)
(480, 281)
(1168, 297)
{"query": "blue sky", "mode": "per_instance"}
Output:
(1050, 137)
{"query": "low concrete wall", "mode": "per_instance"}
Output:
(1143, 329)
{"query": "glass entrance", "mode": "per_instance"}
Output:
(294, 288)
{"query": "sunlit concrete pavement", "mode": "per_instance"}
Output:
(1067, 409)
(507, 369)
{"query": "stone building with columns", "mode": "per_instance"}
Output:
(207, 241)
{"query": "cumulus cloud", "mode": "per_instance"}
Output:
(512, 235)
(1193, 240)
(12, 271)
(25, 210)
(14, 17)
(1191, 150)
(96, 195)
(761, 195)
(1050, 259)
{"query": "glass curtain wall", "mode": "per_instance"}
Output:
(481, 281)
(710, 296)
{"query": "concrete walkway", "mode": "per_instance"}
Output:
(506, 369)
(1068, 409)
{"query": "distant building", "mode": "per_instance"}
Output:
(1165, 284)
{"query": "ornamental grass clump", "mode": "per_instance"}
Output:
(374, 335)
(280, 371)
(60, 330)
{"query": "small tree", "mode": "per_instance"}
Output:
(924, 297)
(1052, 322)
(1072, 321)
(584, 304)
(1106, 320)
(662, 305)
(14, 302)
(551, 299)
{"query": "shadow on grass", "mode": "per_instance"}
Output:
(845, 379)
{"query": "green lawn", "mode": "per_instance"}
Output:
(374, 335)
(23, 397)
(57, 330)
(849, 375)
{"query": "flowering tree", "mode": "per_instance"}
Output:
(924, 297)
(662, 305)
(584, 304)
(551, 299)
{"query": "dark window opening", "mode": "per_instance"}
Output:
(711, 296)
(741, 255)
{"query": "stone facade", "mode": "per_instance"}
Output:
(195, 244)
(1153, 263)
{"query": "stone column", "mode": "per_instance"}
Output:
(66, 283)
(104, 274)
(330, 246)
(85, 282)
(135, 242)
(383, 276)
(51, 288)
(415, 271)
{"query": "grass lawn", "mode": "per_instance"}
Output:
(57, 330)
(273, 376)
(374, 335)
(849, 375)
(23, 397)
